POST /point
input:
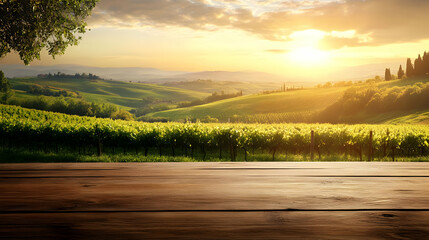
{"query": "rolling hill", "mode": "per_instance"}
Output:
(123, 94)
(295, 106)
(211, 86)
(307, 100)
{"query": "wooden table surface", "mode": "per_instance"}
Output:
(214, 201)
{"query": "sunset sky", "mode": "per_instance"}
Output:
(285, 37)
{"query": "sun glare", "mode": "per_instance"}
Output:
(308, 56)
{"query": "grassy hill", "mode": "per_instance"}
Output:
(123, 94)
(307, 100)
(412, 116)
(398, 101)
(296, 106)
(402, 82)
(211, 86)
(291, 106)
(401, 117)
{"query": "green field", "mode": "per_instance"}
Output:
(123, 94)
(291, 106)
(402, 82)
(210, 86)
(297, 106)
(413, 118)
(307, 100)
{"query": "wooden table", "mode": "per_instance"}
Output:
(214, 201)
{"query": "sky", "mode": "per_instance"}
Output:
(285, 37)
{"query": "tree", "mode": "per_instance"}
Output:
(418, 67)
(401, 72)
(5, 88)
(426, 62)
(410, 68)
(28, 26)
(123, 115)
(387, 75)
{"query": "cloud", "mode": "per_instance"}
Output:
(375, 22)
(278, 51)
(129, 13)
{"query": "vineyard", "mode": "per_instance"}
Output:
(53, 132)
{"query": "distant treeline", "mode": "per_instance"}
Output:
(335, 84)
(370, 100)
(49, 91)
(89, 76)
(213, 98)
(283, 88)
(73, 106)
(151, 104)
(420, 68)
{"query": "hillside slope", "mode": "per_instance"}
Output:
(124, 94)
(211, 86)
(399, 101)
(305, 105)
(307, 100)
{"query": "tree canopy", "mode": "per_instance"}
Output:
(5, 88)
(401, 72)
(387, 75)
(28, 26)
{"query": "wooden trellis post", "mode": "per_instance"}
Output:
(312, 145)
(370, 146)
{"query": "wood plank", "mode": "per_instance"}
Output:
(213, 186)
(269, 225)
(215, 201)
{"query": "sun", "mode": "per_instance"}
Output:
(309, 56)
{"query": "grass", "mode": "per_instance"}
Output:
(210, 86)
(294, 102)
(414, 118)
(20, 156)
(307, 100)
(402, 82)
(394, 118)
(123, 94)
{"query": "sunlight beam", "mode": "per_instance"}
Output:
(308, 56)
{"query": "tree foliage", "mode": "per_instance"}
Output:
(420, 68)
(74, 106)
(28, 26)
(5, 88)
(387, 75)
(410, 68)
(401, 72)
(370, 100)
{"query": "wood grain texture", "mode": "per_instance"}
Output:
(214, 201)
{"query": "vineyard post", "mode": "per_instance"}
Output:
(370, 146)
(99, 147)
(312, 145)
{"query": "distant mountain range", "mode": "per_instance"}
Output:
(123, 74)
(149, 75)
(152, 75)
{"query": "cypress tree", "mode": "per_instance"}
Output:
(426, 63)
(387, 75)
(410, 68)
(418, 67)
(401, 72)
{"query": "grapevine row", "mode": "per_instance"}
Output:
(21, 127)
